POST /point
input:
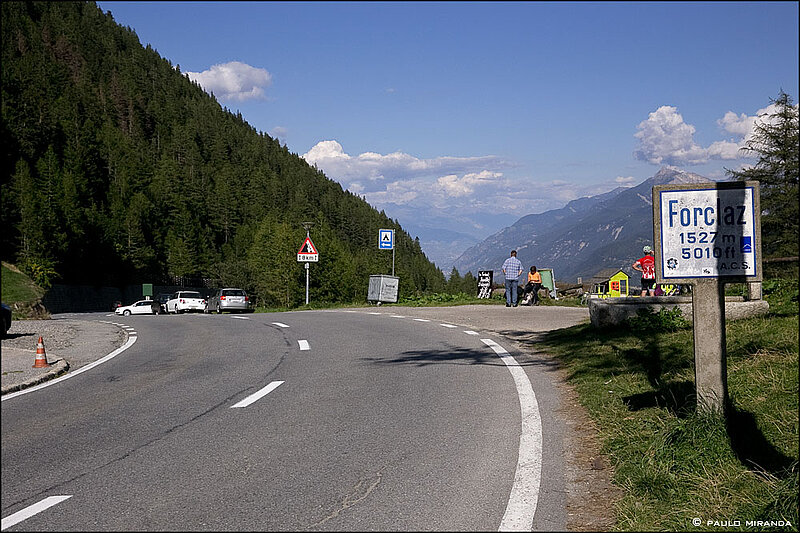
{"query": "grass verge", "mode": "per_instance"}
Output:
(681, 471)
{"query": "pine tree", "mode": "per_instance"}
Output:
(775, 142)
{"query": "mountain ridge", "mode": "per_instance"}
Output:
(583, 237)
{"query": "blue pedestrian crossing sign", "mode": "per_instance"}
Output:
(386, 239)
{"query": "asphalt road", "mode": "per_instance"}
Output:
(373, 419)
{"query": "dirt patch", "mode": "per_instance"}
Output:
(591, 496)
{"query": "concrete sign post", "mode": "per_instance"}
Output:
(707, 235)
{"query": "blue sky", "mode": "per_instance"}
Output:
(458, 118)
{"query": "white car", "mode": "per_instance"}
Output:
(183, 301)
(142, 307)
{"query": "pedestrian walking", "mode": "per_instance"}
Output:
(512, 268)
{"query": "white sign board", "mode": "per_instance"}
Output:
(706, 232)
(386, 239)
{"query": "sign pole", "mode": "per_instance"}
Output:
(308, 252)
(710, 364)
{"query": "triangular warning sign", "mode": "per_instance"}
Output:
(308, 247)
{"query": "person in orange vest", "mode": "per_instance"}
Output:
(532, 286)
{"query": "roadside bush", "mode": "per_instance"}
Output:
(666, 320)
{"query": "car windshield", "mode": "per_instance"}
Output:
(190, 295)
(233, 292)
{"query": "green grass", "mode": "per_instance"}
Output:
(673, 464)
(17, 287)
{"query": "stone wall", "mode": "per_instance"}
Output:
(604, 312)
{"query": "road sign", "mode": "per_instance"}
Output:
(707, 232)
(707, 235)
(386, 239)
(307, 252)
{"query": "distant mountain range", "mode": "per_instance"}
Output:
(585, 236)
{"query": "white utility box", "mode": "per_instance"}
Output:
(383, 289)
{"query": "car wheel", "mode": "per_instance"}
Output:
(126, 313)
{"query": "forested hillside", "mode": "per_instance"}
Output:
(118, 169)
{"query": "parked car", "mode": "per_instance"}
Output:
(163, 298)
(6, 314)
(229, 300)
(183, 301)
(142, 307)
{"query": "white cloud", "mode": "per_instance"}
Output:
(740, 125)
(279, 132)
(623, 181)
(372, 167)
(452, 185)
(664, 138)
(233, 81)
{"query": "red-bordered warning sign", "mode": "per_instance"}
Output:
(307, 252)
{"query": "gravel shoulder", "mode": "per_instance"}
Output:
(69, 344)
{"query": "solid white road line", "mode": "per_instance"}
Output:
(28, 512)
(525, 491)
(73, 373)
(303, 345)
(280, 324)
(258, 395)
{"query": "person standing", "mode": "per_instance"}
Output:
(512, 268)
(647, 266)
(533, 285)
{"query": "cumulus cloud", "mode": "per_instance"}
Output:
(624, 180)
(446, 183)
(330, 157)
(664, 138)
(233, 81)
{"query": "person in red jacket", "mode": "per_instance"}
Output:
(647, 266)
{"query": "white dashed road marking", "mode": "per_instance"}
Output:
(280, 324)
(241, 317)
(303, 345)
(28, 512)
(258, 395)
(448, 325)
(421, 320)
(470, 332)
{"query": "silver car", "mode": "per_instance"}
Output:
(229, 300)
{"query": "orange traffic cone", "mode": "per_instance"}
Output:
(41, 357)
